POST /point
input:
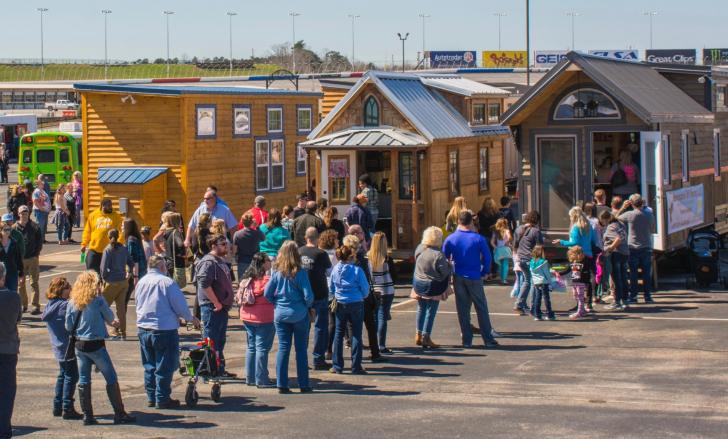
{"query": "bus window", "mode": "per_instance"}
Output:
(63, 156)
(28, 156)
(45, 156)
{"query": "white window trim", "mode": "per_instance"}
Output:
(269, 111)
(556, 109)
(300, 160)
(487, 168)
(265, 167)
(666, 165)
(716, 152)
(309, 110)
(282, 165)
(684, 155)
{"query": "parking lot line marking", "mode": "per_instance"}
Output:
(698, 319)
(406, 302)
(77, 250)
(59, 273)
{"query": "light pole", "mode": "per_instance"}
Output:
(353, 18)
(572, 14)
(106, 13)
(293, 47)
(650, 14)
(403, 39)
(500, 15)
(167, 14)
(424, 17)
(528, 43)
(230, 15)
(42, 57)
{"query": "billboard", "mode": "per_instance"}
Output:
(630, 54)
(715, 56)
(685, 208)
(504, 58)
(671, 56)
(452, 58)
(548, 58)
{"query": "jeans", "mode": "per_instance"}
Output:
(320, 331)
(242, 267)
(66, 384)
(348, 313)
(260, 340)
(525, 285)
(299, 332)
(370, 322)
(470, 292)
(426, 312)
(160, 357)
(382, 316)
(11, 282)
(542, 292)
(8, 387)
(101, 359)
(603, 287)
(69, 230)
(641, 258)
(214, 327)
(93, 261)
(42, 219)
(619, 274)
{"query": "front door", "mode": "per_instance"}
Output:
(556, 158)
(651, 153)
(338, 179)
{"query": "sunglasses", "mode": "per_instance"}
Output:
(208, 198)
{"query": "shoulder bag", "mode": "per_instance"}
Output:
(70, 354)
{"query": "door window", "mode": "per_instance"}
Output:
(557, 182)
(339, 179)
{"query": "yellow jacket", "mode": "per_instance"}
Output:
(95, 232)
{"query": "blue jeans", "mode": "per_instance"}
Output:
(66, 384)
(11, 281)
(469, 292)
(101, 359)
(320, 331)
(160, 357)
(619, 274)
(348, 313)
(8, 387)
(214, 327)
(382, 316)
(242, 267)
(541, 292)
(641, 258)
(426, 312)
(260, 340)
(42, 219)
(299, 333)
(525, 285)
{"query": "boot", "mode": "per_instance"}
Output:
(84, 395)
(418, 338)
(428, 343)
(71, 413)
(57, 411)
(120, 415)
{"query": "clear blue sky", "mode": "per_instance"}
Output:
(74, 28)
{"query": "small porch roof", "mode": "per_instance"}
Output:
(368, 138)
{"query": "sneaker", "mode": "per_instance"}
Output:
(386, 351)
(335, 370)
(588, 309)
(467, 345)
(632, 300)
(537, 318)
(227, 374)
(613, 307)
(491, 344)
(171, 404)
(266, 386)
(520, 311)
(284, 390)
(495, 334)
(647, 300)
(359, 372)
(576, 316)
(36, 311)
(551, 318)
(306, 389)
(377, 359)
(322, 366)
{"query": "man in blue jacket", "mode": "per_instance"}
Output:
(471, 257)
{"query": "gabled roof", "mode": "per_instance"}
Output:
(382, 136)
(638, 86)
(177, 90)
(461, 86)
(129, 175)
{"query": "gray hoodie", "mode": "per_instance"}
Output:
(431, 264)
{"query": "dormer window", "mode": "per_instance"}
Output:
(371, 112)
(586, 103)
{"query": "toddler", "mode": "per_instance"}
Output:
(501, 242)
(541, 278)
(580, 278)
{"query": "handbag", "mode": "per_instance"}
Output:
(70, 353)
(248, 296)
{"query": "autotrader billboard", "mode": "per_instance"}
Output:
(671, 56)
(630, 54)
(504, 58)
(715, 56)
(452, 58)
(548, 58)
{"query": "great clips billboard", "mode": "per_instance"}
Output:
(452, 58)
(671, 56)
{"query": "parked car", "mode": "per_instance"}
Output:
(61, 104)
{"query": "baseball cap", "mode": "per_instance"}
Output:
(23, 209)
(8, 217)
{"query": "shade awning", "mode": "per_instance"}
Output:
(129, 175)
(368, 137)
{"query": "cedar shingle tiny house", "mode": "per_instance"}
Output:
(424, 139)
(241, 139)
(572, 126)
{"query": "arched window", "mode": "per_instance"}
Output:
(371, 112)
(586, 103)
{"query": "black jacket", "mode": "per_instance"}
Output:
(33, 239)
(302, 223)
(12, 258)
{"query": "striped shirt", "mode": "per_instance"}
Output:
(382, 280)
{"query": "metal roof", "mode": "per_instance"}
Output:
(382, 136)
(129, 175)
(178, 90)
(461, 86)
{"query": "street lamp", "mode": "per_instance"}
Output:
(500, 15)
(167, 14)
(403, 39)
(650, 14)
(353, 18)
(231, 14)
(528, 43)
(423, 17)
(572, 14)
(106, 13)
(293, 47)
(42, 57)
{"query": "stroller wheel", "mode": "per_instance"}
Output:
(215, 393)
(191, 395)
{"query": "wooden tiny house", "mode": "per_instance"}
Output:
(243, 140)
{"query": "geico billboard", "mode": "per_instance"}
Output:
(630, 55)
(504, 58)
(548, 58)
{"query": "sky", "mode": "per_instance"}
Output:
(74, 29)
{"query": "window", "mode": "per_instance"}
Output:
(716, 152)
(63, 156)
(556, 180)
(409, 176)
(275, 119)
(483, 168)
(277, 163)
(301, 160)
(494, 111)
(371, 112)
(684, 155)
(721, 96)
(666, 165)
(27, 156)
(586, 103)
(454, 173)
(262, 165)
(479, 113)
(304, 119)
(339, 179)
(241, 121)
(45, 156)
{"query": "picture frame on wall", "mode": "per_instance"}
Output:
(205, 121)
(241, 121)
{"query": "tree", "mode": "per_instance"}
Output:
(334, 60)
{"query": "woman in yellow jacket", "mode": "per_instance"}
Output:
(95, 233)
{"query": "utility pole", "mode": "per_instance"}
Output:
(528, 43)
(650, 14)
(423, 17)
(403, 39)
(230, 15)
(167, 14)
(353, 18)
(573, 15)
(293, 47)
(500, 15)
(42, 56)
(106, 13)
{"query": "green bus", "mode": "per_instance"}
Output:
(55, 154)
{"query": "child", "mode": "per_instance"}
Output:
(55, 317)
(501, 242)
(516, 290)
(541, 277)
(382, 285)
(147, 242)
(580, 277)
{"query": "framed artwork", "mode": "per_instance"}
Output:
(205, 119)
(241, 121)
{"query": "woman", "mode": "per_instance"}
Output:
(617, 250)
(61, 219)
(332, 222)
(18, 197)
(257, 318)
(582, 234)
(114, 263)
(88, 313)
(72, 212)
(451, 219)
(202, 232)
(134, 246)
(357, 242)
(527, 236)
(329, 242)
(487, 217)
(359, 214)
(289, 290)
(430, 285)
(601, 265)
(78, 196)
(625, 175)
(321, 205)
(11, 257)
(287, 218)
(275, 234)
(350, 287)
(218, 227)
(174, 247)
(382, 285)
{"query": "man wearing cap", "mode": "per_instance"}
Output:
(32, 246)
(300, 208)
(260, 216)
(96, 233)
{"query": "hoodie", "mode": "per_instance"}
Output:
(98, 224)
(348, 283)
(55, 317)
(540, 271)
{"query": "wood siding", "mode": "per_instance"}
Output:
(354, 113)
(332, 96)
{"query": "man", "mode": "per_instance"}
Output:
(32, 246)
(616, 205)
(260, 215)
(9, 220)
(639, 223)
(246, 243)
(300, 208)
(358, 213)
(471, 257)
(216, 210)
(41, 205)
(215, 294)
(10, 314)
(317, 263)
(96, 233)
(21, 199)
(159, 305)
(303, 222)
(600, 201)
